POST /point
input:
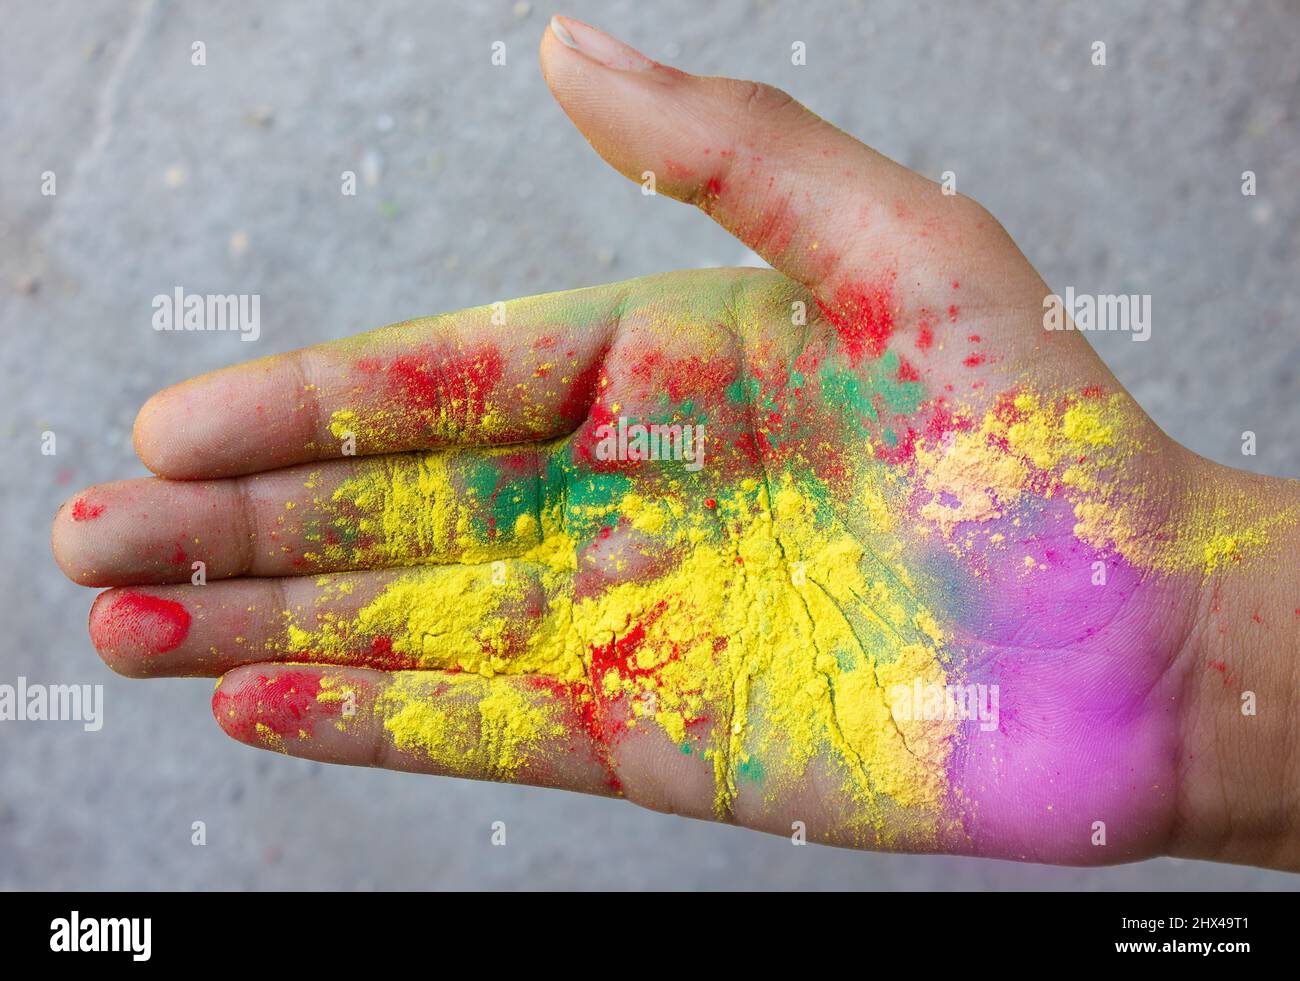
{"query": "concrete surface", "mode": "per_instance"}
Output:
(225, 179)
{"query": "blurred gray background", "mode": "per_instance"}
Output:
(473, 188)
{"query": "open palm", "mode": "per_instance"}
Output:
(855, 549)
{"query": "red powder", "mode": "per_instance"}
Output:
(584, 712)
(864, 319)
(924, 338)
(952, 314)
(904, 448)
(580, 700)
(1006, 410)
(435, 381)
(149, 623)
(940, 421)
(285, 703)
(710, 503)
(619, 655)
(684, 378)
(382, 657)
(582, 394)
(906, 372)
(83, 511)
(973, 361)
(943, 421)
(588, 438)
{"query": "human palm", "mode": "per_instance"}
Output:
(856, 550)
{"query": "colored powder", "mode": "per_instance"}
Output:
(401, 508)
(149, 623)
(82, 510)
(1091, 448)
(1030, 448)
(757, 620)
(967, 479)
(269, 709)
(731, 652)
(466, 725)
(863, 318)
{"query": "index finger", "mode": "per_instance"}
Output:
(510, 372)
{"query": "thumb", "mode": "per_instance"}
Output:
(807, 197)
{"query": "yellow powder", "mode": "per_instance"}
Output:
(466, 725)
(767, 648)
(1116, 483)
(983, 480)
(409, 508)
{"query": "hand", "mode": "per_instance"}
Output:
(900, 568)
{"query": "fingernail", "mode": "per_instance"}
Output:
(599, 46)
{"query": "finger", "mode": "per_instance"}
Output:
(519, 730)
(477, 618)
(511, 372)
(373, 512)
(802, 194)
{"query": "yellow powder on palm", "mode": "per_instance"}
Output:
(771, 644)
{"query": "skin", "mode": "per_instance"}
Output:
(1127, 699)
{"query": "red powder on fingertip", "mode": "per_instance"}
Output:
(710, 503)
(150, 623)
(283, 704)
(84, 511)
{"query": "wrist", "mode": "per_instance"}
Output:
(1239, 788)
